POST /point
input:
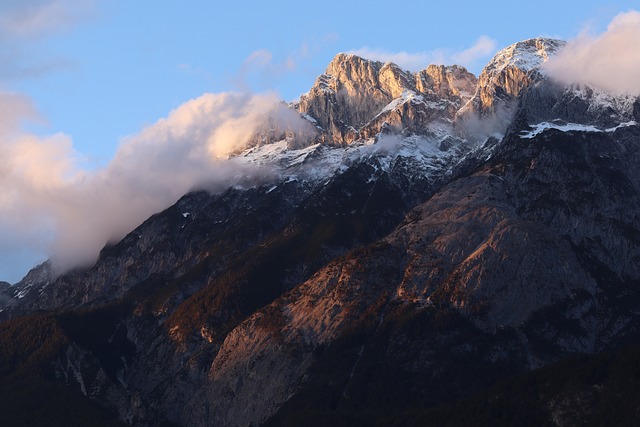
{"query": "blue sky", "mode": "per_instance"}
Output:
(84, 74)
(124, 64)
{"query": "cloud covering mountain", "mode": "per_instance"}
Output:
(52, 203)
(609, 61)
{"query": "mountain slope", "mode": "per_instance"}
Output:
(517, 288)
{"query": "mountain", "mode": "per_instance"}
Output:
(445, 250)
(495, 100)
(356, 98)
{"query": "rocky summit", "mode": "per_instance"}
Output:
(441, 250)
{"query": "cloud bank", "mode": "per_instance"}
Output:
(482, 48)
(50, 203)
(609, 61)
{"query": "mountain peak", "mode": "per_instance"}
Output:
(358, 73)
(356, 97)
(526, 54)
(345, 60)
(510, 71)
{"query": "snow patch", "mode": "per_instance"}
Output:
(309, 118)
(412, 97)
(541, 127)
(407, 95)
(318, 164)
(622, 125)
(570, 127)
(526, 55)
(19, 294)
(600, 100)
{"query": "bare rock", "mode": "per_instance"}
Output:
(356, 97)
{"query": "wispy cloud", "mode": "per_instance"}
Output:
(262, 69)
(25, 23)
(481, 49)
(28, 19)
(610, 61)
(260, 64)
(415, 61)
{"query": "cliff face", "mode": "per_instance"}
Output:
(356, 97)
(377, 277)
(509, 72)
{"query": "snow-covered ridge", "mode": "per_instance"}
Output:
(526, 55)
(412, 97)
(509, 72)
(600, 100)
(570, 127)
(318, 162)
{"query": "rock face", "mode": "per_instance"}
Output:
(376, 279)
(356, 97)
(509, 72)
(546, 101)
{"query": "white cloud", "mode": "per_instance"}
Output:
(49, 202)
(258, 58)
(610, 61)
(260, 64)
(410, 61)
(482, 48)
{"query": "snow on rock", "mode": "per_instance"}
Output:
(570, 127)
(22, 292)
(622, 125)
(527, 55)
(429, 155)
(346, 101)
(600, 100)
(510, 71)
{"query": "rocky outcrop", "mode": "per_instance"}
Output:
(509, 72)
(357, 98)
(548, 101)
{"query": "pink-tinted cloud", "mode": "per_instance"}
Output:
(609, 61)
(49, 202)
